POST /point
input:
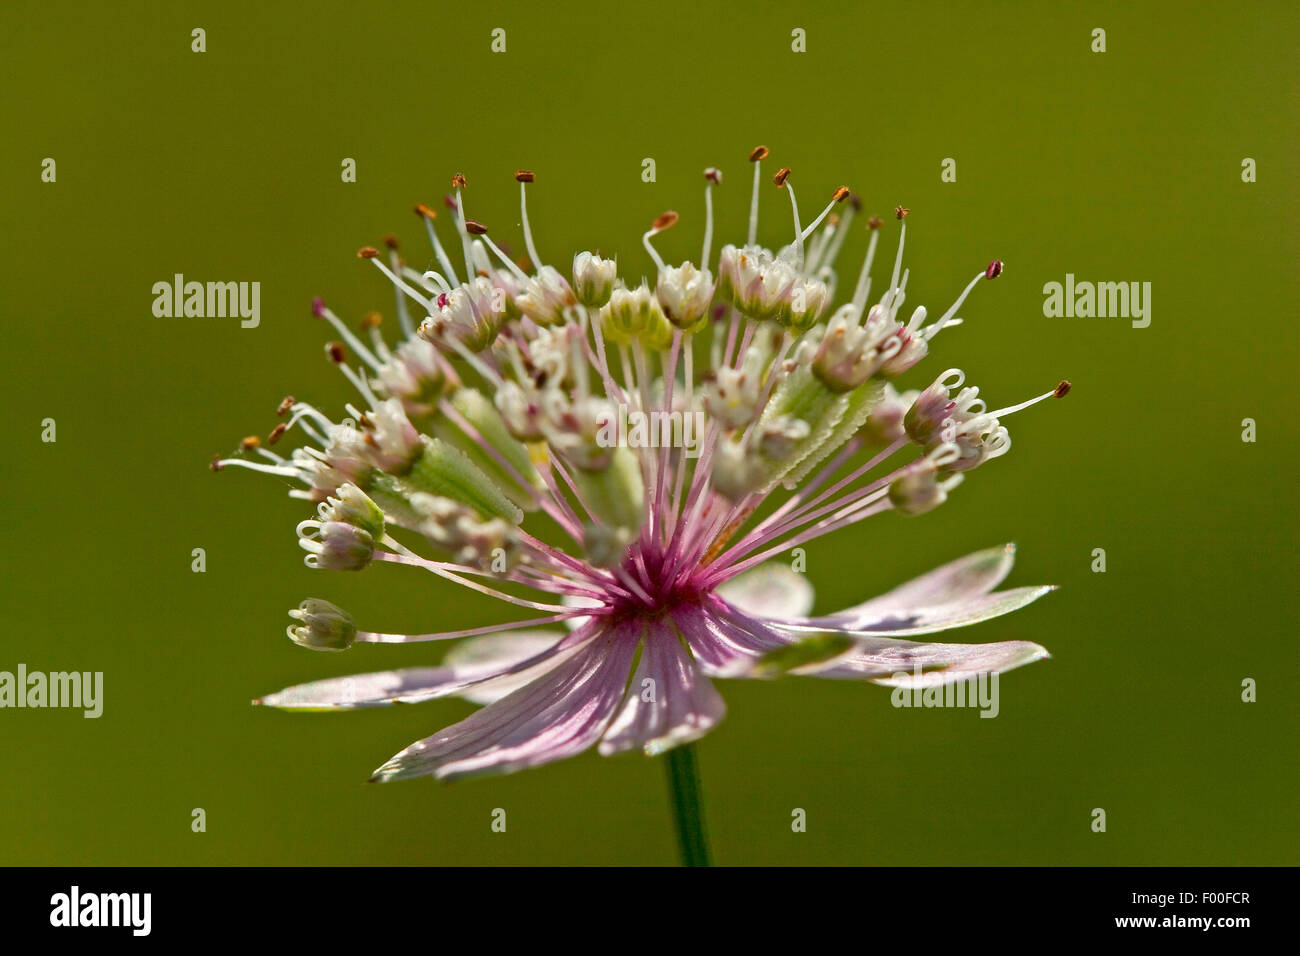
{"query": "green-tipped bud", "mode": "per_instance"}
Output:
(593, 279)
(353, 506)
(324, 626)
(684, 294)
(636, 314)
(808, 300)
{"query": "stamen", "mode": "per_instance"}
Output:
(353, 342)
(663, 222)
(841, 232)
(1059, 392)
(370, 322)
(458, 183)
(888, 300)
(863, 289)
(428, 214)
(282, 471)
(756, 156)
(524, 177)
(371, 253)
(958, 379)
(303, 410)
(712, 177)
(989, 273)
(360, 383)
(781, 180)
(431, 280)
(480, 230)
(841, 194)
(944, 455)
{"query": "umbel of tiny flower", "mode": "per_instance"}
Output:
(478, 449)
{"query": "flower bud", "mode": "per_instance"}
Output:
(385, 439)
(593, 279)
(520, 410)
(756, 282)
(324, 627)
(636, 314)
(732, 396)
(962, 423)
(737, 471)
(932, 411)
(808, 300)
(685, 293)
(780, 437)
(335, 545)
(456, 528)
(353, 506)
(413, 375)
(843, 360)
(545, 297)
(884, 423)
(471, 314)
(922, 487)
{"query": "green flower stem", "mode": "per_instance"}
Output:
(688, 814)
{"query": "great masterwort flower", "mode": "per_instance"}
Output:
(497, 404)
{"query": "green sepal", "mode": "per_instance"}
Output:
(471, 405)
(861, 401)
(441, 468)
(804, 396)
(814, 650)
(615, 495)
(393, 497)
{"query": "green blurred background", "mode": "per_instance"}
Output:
(226, 166)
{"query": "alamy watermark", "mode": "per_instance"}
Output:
(630, 428)
(1102, 300)
(208, 300)
(82, 690)
(75, 908)
(979, 690)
